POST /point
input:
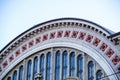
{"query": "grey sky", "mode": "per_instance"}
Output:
(16, 16)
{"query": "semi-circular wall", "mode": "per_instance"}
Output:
(79, 34)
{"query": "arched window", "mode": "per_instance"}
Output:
(35, 67)
(15, 75)
(29, 69)
(80, 67)
(72, 64)
(99, 75)
(42, 61)
(91, 70)
(64, 65)
(21, 75)
(57, 66)
(9, 78)
(48, 66)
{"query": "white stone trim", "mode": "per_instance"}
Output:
(93, 53)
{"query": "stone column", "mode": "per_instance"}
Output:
(61, 53)
(52, 64)
(38, 70)
(84, 67)
(45, 67)
(32, 68)
(25, 69)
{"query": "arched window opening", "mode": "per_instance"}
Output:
(15, 75)
(9, 78)
(35, 67)
(99, 75)
(21, 74)
(48, 66)
(91, 70)
(64, 64)
(57, 66)
(42, 62)
(29, 69)
(72, 64)
(80, 67)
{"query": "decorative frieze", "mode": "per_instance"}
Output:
(89, 38)
(76, 34)
(67, 33)
(38, 39)
(31, 43)
(59, 35)
(17, 53)
(5, 64)
(82, 35)
(11, 58)
(45, 37)
(96, 41)
(103, 47)
(52, 35)
(116, 60)
(110, 52)
(24, 47)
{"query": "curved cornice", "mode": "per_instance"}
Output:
(74, 29)
(53, 21)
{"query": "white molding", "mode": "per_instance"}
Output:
(88, 50)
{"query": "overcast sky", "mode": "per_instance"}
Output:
(16, 16)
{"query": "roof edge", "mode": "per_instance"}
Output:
(67, 18)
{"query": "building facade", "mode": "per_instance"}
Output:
(62, 49)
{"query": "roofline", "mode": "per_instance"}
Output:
(114, 35)
(68, 18)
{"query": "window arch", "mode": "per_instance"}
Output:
(42, 61)
(72, 64)
(9, 78)
(90, 70)
(57, 66)
(35, 67)
(64, 64)
(21, 74)
(48, 66)
(15, 75)
(99, 75)
(29, 69)
(80, 67)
